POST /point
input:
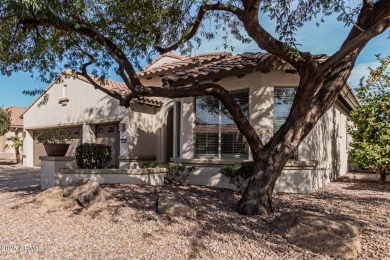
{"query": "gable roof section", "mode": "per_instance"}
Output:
(110, 85)
(169, 54)
(232, 65)
(16, 113)
(119, 87)
(183, 64)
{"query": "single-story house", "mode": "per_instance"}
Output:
(195, 130)
(16, 129)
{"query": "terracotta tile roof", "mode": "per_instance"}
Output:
(183, 64)
(16, 113)
(169, 54)
(232, 65)
(118, 87)
(108, 84)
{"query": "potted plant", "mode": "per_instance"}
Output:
(53, 141)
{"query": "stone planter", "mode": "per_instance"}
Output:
(56, 149)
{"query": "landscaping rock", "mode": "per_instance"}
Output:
(175, 206)
(57, 203)
(52, 200)
(334, 235)
(86, 192)
(53, 192)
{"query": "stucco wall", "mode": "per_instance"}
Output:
(89, 106)
(86, 105)
(9, 153)
(261, 92)
(326, 144)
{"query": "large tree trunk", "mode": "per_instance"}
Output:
(382, 177)
(257, 198)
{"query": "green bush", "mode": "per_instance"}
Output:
(177, 172)
(238, 174)
(93, 156)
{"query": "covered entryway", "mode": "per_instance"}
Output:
(72, 136)
(108, 134)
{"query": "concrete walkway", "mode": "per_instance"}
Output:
(16, 177)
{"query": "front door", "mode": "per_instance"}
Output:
(108, 134)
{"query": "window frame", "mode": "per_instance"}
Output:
(219, 154)
(295, 155)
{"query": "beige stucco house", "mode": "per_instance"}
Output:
(195, 130)
(16, 129)
(89, 115)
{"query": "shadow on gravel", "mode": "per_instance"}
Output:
(27, 192)
(215, 208)
(7, 162)
(371, 184)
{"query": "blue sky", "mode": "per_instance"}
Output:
(325, 39)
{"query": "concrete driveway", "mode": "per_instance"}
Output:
(16, 177)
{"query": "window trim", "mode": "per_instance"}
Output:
(296, 154)
(219, 155)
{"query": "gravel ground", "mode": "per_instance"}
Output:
(128, 227)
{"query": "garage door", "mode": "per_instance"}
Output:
(108, 134)
(72, 135)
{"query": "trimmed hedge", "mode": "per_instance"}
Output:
(238, 174)
(93, 156)
(177, 172)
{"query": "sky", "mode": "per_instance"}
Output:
(325, 39)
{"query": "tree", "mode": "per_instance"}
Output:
(371, 129)
(5, 121)
(97, 34)
(17, 144)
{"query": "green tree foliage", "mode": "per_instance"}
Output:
(5, 121)
(371, 129)
(134, 26)
(17, 144)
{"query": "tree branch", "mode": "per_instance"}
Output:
(96, 84)
(195, 27)
(374, 22)
(87, 30)
(249, 17)
(187, 37)
(209, 89)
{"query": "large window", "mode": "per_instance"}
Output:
(283, 99)
(216, 134)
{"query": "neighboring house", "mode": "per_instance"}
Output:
(16, 129)
(196, 130)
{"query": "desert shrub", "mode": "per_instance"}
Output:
(370, 131)
(176, 172)
(5, 121)
(238, 174)
(93, 156)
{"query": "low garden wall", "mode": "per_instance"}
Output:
(296, 177)
(60, 171)
(153, 177)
